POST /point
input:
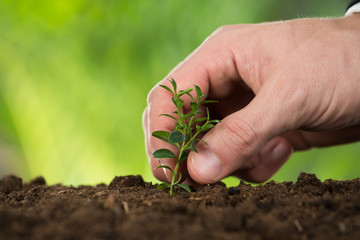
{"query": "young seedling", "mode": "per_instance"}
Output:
(184, 136)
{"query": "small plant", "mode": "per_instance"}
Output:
(187, 128)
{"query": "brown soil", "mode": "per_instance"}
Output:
(130, 208)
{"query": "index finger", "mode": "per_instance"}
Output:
(210, 67)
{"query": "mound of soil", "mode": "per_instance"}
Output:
(130, 208)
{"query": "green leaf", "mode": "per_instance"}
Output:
(194, 107)
(198, 92)
(186, 116)
(162, 186)
(176, 137)
(163, 135)
(207, 114)
(207, 127)
(167, 89)
(208, 101)
(192, 98)
(200, 119)
(179, 178)
(193, 148)
(163, 153)
(184, 156)
(178, 102)
(173, 83)
(184, 186)
(179, 127)
(173, 99)
(164, 166)
(215, 121)
(168, 115)
(200, 140)
(182, 92)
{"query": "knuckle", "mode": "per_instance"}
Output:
(220, 33)
(222, 29)
(240, 138)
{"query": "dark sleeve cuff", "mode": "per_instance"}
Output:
(353, 7)
(352, 3)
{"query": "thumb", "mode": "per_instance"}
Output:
(238, 138)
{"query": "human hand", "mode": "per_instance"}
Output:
(282, 86)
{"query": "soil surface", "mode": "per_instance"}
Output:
(130, 208)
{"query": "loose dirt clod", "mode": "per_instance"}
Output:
(126, 181)
(130, 208)
(10, 183)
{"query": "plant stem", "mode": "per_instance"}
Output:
(173, 178)
(176, 170)
(183, 146)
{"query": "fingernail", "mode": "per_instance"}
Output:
(281, 152)
(207, 165)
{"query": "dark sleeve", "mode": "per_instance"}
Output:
(352, 3)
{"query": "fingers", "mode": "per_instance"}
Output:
(211, 67)
(232, 143)
(277, 151)
(267, 162)
(303, 140)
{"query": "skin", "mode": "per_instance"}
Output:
(283, 87)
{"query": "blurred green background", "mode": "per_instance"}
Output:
(74, 75)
